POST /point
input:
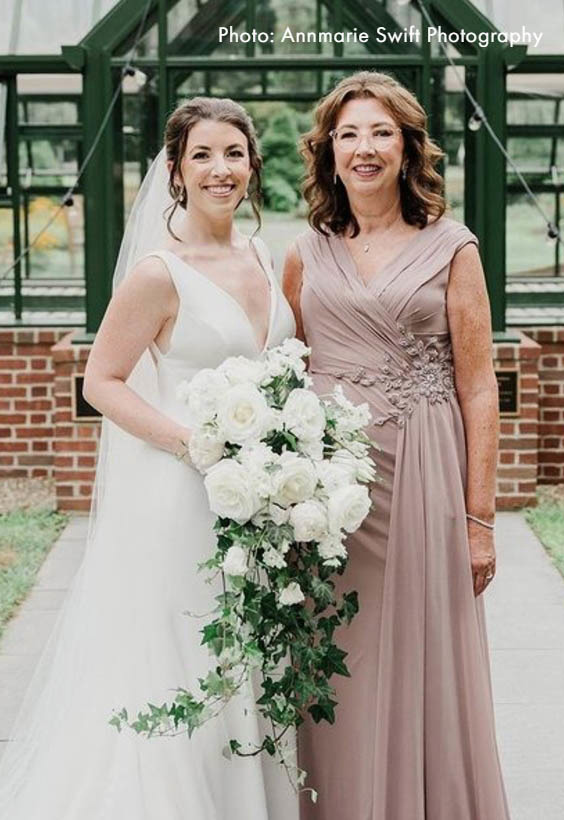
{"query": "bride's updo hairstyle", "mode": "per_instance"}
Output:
(176, 136)
(421, 191)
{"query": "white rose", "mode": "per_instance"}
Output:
(361, 468)
(272, 558)
(309, 521)
(295, 481)
(294, 347)
(235, 561)
(347, 508)
(201, 395)
(334, 475)
(240, 370)
(242, 413)
(292, 594)
(312, 449)
(278, 515)
(303, 414)
(229, 493)
(205, 449)
(331, 548)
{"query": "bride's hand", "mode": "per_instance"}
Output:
(182, 448)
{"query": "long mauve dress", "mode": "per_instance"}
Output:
(414, 737)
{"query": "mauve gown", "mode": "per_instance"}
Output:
(414, 737)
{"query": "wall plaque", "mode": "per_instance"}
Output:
(508, 386)
(80, 409)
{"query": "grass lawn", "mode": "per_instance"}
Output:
(25, 538)
(547, 522)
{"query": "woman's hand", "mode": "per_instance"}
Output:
(482, 553)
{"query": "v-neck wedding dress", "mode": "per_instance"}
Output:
(124, 637)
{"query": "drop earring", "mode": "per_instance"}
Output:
(246, 195)
(404, 172)
(335, 178)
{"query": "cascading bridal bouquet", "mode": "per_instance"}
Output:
(286, 474)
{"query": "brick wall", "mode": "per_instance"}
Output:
(551, 403)
(518, 444)
(75, 442)
(38, 437)
(27, 402)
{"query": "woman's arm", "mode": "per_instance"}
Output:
(139, 309)
(471, 334)
(292, 278)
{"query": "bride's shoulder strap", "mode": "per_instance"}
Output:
(262, 251)
(169, 260)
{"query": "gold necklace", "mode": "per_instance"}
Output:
(366, 246)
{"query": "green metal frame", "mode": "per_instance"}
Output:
(99, 57)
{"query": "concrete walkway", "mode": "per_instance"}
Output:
(525, 612)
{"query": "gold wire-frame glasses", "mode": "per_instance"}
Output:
(347, 139)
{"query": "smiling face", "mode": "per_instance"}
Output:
(374, 164)
(215, 167)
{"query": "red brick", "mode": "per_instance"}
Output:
(34, 460)
(40, 446)
(39, 364)
(528, 458)
(36, 350)
(86, 461)
(38, 418)
(64, 461)
(34, 378)
(507, 457)
(66, 445)
(74, 475)
(14, 364)
(75, 505)
(39, 472)
(6, 461)
(6, 378)
(33, 404)
(551, 457)
(505, 487)
(39, 390)
(13, 392)
(34, 432)
(14, 446)
(13, 418)
(518, 444)
(65, 489)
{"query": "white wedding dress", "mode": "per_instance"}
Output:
(124, 638)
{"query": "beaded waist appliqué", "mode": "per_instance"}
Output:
(428, 373)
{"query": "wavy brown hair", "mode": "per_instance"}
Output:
(421, 192)
(179, 125)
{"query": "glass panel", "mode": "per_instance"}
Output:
(59, 251)
(529, 252)
(530, 154)
(48, 161)
(188, 85)
(532, 110)
(48, 112)
(289, 82)
(235, 83)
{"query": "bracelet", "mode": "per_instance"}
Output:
(184, 451)
(480, 521)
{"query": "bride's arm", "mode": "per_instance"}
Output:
(140, 307)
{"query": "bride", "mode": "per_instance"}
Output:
(189, 291)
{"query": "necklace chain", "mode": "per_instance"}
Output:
(366, 245)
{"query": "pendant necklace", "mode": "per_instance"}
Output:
(366, 246)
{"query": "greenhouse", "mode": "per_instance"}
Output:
(281, 409)
(83, 101)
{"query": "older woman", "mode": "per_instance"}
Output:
(390, 295)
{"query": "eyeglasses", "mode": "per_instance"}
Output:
(347, 139)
